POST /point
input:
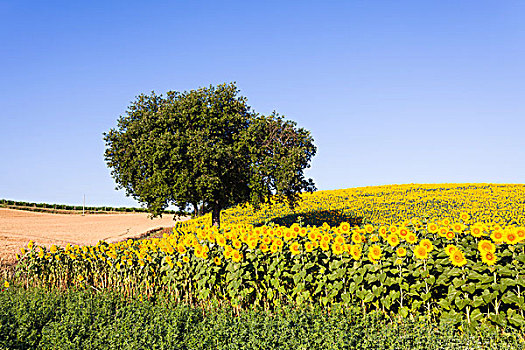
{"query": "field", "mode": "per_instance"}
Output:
(18, 227)
(448, 256)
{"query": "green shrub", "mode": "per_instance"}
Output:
(39, 319)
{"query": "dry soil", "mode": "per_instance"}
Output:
(18, 227)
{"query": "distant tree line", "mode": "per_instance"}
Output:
(31, 205)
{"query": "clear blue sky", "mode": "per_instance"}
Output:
(392, 91)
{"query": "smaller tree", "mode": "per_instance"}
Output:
(207, 148)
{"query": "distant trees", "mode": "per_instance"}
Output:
(207, 148)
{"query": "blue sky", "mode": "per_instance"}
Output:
(392, 91)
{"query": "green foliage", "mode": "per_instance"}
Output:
(63, 208)
(39, 319)
(206, 146)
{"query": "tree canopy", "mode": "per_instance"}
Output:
(207, 147)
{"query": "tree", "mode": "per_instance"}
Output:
(206, 147)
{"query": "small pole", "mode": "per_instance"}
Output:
(84, 205)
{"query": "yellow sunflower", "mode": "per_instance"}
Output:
(393, 239)
(264, 247)
(450, 249)
(476, 231)
(457, 258)
(337, 249)
(345, 227)
(294, 248)
(520, 231)
(308, 246)
(421, 252)
(356, 238)
(510, 237)
(427, 244)
(411, 238)
(236, 256)
(356, 251)
(401, 252)
(433, 228)
(375, 252)
(497, 236)
(486, 246)
(489, 258)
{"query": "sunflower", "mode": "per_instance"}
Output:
(486, 246)
(401, 252)
(497, 236)
(295, 227)
(457, 227)
(375, 252)
(356, 251)
(278, 242)
(427, 244)
(383, 232)
(442, 232)
(392, 229)
(403, 232)
(450, 235)
(476, 231)
(450, 249)
(198, 251)
(457, 258)
(489, 258)
(433, 228)
(421, 252)
(237, 244)
(252, 243)
(312, 235)
(181, 248)
(464, 216)
(339, 240)
(369, 228)
(411, 238)
(274, 248)
(510, 237)
(337, 249)
(221, 241)
(520, 231)
(345, 227)
(236, 256)
(393, 239)
(264, 247)
(217, 261)
(294, 248)
(186, 259)
(356, 238)
(324, 246)
(308, 246)
(228, 252)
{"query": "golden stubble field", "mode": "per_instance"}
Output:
(18, 227)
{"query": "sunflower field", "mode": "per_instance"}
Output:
(449, 252)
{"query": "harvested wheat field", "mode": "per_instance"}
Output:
(18, 227)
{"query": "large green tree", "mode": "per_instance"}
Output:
(207, 147)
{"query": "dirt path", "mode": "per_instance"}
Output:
(18, 227)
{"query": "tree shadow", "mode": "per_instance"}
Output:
(317, 218)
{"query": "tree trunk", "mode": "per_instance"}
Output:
(195, 210)
(216, 214)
